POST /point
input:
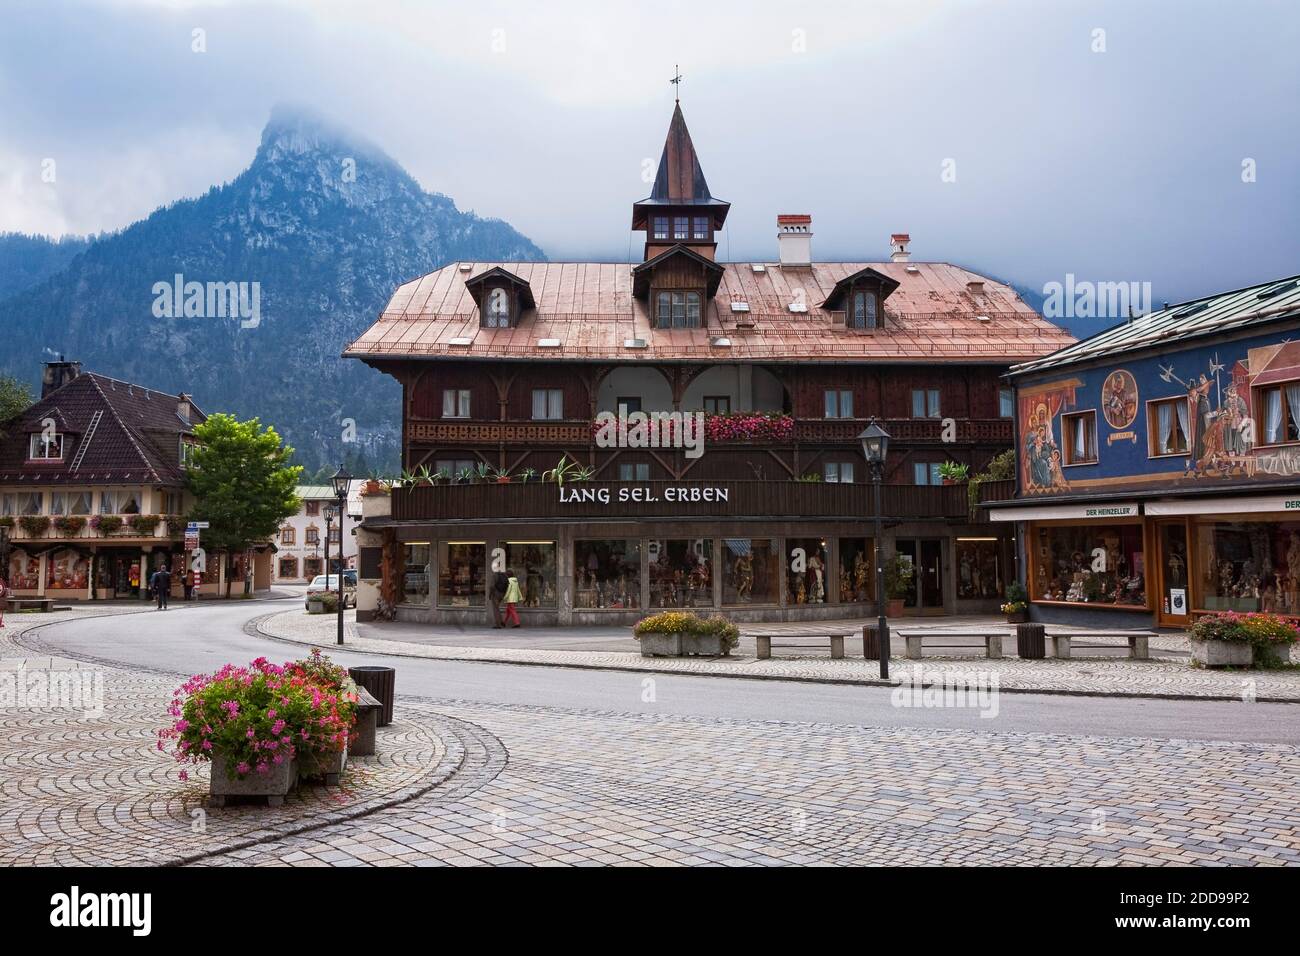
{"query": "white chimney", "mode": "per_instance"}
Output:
(898, 247)
(794, 240)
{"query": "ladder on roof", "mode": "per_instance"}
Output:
(85, 442)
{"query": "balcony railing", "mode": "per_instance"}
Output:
(89, 531)
(812, 430)
(723, 499)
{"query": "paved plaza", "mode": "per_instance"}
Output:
(469, 782)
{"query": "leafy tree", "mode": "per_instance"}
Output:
(15, 398)
(242, 482)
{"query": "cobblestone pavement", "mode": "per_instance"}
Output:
(465, 782)
(1103, 675)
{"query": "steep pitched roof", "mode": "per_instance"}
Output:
(113, 432)
(679, 181)
(1212, 315)
(590, 309)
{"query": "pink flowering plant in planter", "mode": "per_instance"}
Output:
(255, 718)
(748, 426)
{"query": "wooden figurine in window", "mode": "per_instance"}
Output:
(744, 575)
(861, 576)
(800, 591)
(818, 582)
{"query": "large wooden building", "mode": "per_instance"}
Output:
(509, 367)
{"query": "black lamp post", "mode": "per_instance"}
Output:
(328, 514)
(875, 446)
(340, 483)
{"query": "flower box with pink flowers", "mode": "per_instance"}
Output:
(262, 726)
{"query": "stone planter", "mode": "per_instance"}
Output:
(1273, 654)
(1222, 653)
(315, 607)
(682, 645)
(894, 607)
(273, 785)
(1018, 617)
(328, 767)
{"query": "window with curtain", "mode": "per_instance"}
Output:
(838, 472)
(455, 403)
(1006, 403)
(1167, 427)
(839, 403)
(1281, 405)
(926, 473)
(548, 404)
(1081, 438)
(925, 403)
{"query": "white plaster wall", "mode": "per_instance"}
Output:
(656, 395)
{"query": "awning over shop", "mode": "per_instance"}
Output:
(1099, 511)
(1254, 504)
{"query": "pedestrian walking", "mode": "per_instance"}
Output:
(160, 582)
(4, 599)
(513, 596)
(497, 593)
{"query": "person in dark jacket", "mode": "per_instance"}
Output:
(160, 582)
(498, 591)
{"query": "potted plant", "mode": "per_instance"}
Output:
(34, 526)
(1270, 637)
(145, 524)
(1016, 607)
(953, 473)
(683, 633)
(899, 573)
(106, 524)
(1219, 640)
(7, 521)
(254, 723)
(327, 761)
(69, 525)
(374, 486)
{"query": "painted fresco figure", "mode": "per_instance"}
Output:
(1198, 405)
(1234, 415)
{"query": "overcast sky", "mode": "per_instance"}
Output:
(1125, 164)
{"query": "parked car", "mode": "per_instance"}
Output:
(319, 585)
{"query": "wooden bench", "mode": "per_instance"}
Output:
(916, 641)
(1138, 643)
(42, 604)
(362, 741)
(765, 645)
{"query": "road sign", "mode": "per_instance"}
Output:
(195, 525)
(191, 539)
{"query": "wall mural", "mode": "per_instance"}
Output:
(1239, 418)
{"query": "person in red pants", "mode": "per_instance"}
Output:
(513, 596)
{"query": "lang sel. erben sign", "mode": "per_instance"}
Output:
(675, 493)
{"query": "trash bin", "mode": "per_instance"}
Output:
(1030, 641)
(871, 641)
(379, 681)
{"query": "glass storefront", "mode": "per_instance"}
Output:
(462, 572)
(857, 574)
(979, 569)
(1089, 564)
(533, 562)
(751, 571)
(607, 574)
(809, 586)
(1247, 566)
(681, 572)
(415, 578)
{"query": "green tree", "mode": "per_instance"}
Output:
(15, 398)
(243, 484)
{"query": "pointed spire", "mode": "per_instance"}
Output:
(680, 178)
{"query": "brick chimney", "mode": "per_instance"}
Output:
(794, 240)
(57, 374)
(183, 406)
(898, 247)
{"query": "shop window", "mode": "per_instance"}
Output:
(311, 567)
(838, 472)
(1167, 427)
(416, 572)
(67, 570)
(288, 568)
(839, 403)
(607, 574)
(312, 509)
(1281, 412)
(979, 568)
(462, 572)
(809, 586)
(46, 447)
(857, 578)
(533, 563)
(24, 571)
(717, 404)
(548, 404)
(681, 573)
(1248, 566)
(1089, 564)
(925, 403)
(634, 471)
(751, 572)
(455, 403)
(1006, 403)
(1080, 432)
(288, 536)
(926, 473)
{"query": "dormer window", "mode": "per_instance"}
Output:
(501, 298)
(46, 446)
(864, 310)
(497, 314)
(677, 310)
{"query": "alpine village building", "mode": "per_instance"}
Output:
(509, 368)
(92, 490)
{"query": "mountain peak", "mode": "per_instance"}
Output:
(296, 128)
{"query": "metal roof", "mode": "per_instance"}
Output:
(1218, 313)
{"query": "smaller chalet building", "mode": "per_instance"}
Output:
(300, 543)
(1159, 465)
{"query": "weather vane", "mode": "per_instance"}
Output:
(677, 82)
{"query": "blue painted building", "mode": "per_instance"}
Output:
(1158, 464)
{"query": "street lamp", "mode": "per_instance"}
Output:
(875, 447)
(328, 514)
(341, 482)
